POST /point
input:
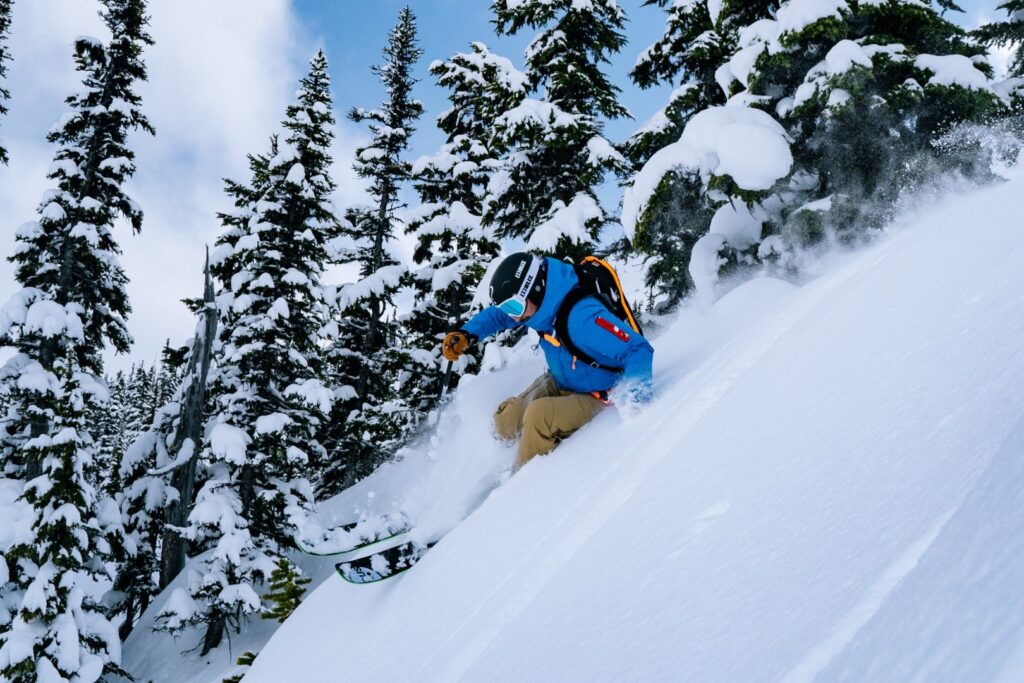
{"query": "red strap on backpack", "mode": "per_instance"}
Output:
(609, 326)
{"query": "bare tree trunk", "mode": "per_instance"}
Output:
(214, 634)
(172, 558)
(129, 620)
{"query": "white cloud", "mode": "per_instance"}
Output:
(220, 76)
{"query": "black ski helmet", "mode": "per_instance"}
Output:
(511, 273)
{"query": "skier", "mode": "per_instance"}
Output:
(530, 290)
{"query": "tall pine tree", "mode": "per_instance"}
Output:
(73, 304)
(270, 400)
(368, 423)
(60, 628)
(689, 56)
(557, 154)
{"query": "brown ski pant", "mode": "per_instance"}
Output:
(542, 416)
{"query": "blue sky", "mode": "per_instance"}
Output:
(220, 76)
(446, 27)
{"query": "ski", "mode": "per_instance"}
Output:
(387, 534)
(384, 564)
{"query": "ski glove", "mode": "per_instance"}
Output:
(455, 344)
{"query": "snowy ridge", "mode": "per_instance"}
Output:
(825, 489)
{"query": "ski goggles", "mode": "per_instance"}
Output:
(515, 305)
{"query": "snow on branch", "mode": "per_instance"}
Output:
(374, 285)
(952, 70)
(747, 145)
(572, 222)
(536, 113)
(457, 218)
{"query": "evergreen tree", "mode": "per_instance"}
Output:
(245, 660)
(140, 499)
(109, 433)
(692, 55)
(72, 305)
(864, 91)
(366, 358)
(1007, 33)
(138, 412)
(60, 629)
(269, 399)
(453, 247)
(287, 586)
(556, 152)
(168, 374)
(5, 25)
(688, 56)
(68, 257)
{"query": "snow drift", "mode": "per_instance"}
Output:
(827, 487)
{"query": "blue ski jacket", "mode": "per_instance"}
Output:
(592, 327)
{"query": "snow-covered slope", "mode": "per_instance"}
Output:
(828, 487)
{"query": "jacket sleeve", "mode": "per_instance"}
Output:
(488, 322)
(611, 341)
(638, 372)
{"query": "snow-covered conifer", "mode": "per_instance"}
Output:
(698, 41)
(864, 90)
(72, 305)
(141, 485)
(453, 245)
(557, 153)
(138, 408)
(67, 259)
(366, 357)
(269, 397)
(60, 628)
(5, 25)
(108, 431)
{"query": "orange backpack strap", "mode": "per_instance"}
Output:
(629, 318)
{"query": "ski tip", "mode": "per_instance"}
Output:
(383, 565)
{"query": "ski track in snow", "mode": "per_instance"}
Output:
(819, 656)
(705, 520)
(612, 491)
